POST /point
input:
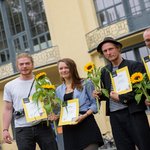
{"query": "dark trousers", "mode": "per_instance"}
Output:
(130, 130)
(27, 137)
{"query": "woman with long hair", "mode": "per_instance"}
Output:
(85, 135)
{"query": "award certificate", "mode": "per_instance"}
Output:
(146, 61)
(121, 81)
(33, 111)
(69, 113)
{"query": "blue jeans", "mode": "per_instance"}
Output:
(43, 135)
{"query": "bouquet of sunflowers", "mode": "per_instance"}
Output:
(141, 83)
(94, 74)
(45, 92)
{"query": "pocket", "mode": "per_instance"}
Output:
(18, 130)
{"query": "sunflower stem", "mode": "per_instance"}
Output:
(98, 106)
(145, 92)
(54, 123)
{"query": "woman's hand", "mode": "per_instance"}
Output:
(53, 117)
(96, 94)
(80, 118)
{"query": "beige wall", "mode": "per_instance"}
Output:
(68, 29)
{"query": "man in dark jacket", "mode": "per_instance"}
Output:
(146, 37)
(128, 119)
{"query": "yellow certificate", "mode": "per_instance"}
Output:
(146, 61)
(69, 113)
(33, 111)
(121, 81)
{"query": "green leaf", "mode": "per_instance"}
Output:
(138, 97)
(147, 86)
(138, 85)
(48, 108)
(149, 98)
(96, 80)
(138, 91)
(35, 97)
(105, 92)
(58, 100)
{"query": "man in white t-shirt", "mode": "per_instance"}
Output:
(27, 134)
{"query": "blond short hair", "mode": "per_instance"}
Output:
(22, 55)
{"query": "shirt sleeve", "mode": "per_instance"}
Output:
(89, 87)
(7, 94)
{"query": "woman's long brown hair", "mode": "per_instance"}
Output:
(76, 80)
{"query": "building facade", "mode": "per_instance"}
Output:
(52, 29)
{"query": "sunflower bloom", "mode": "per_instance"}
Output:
(38, 76)
(141, 83)
(45, 93)
(47, 86)
(136, 77)
(94, 74)
(89, 67)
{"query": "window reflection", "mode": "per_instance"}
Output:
(99, 4)
(36, 16)
(4, 54)
(130, 55)
(144, 51)
(15, 16)
(103, 18)
(109, 11)
(38, 24)
(119, 11)
(117, 1)
(135, 7)
(136, 53)
(111, 14)
(108, 3)
(20, 20)
(147, 4)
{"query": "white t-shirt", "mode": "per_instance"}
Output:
(15, 91)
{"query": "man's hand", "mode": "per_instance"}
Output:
(114, 96)
(6, 137)
(53, 117)
(147, 102)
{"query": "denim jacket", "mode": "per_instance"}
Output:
(86, 100)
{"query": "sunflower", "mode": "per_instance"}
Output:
(136, 77)
(41, 74)
(47, 86)
(89, 67)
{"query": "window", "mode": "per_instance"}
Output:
(136, 52)
(4, 54)
(129, 55)
(147, 4)
(109, 11)
(27, 28)
(144, 51)
(15, 16)
(38, 24)
(135, 7)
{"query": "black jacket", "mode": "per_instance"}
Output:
(128, 98)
